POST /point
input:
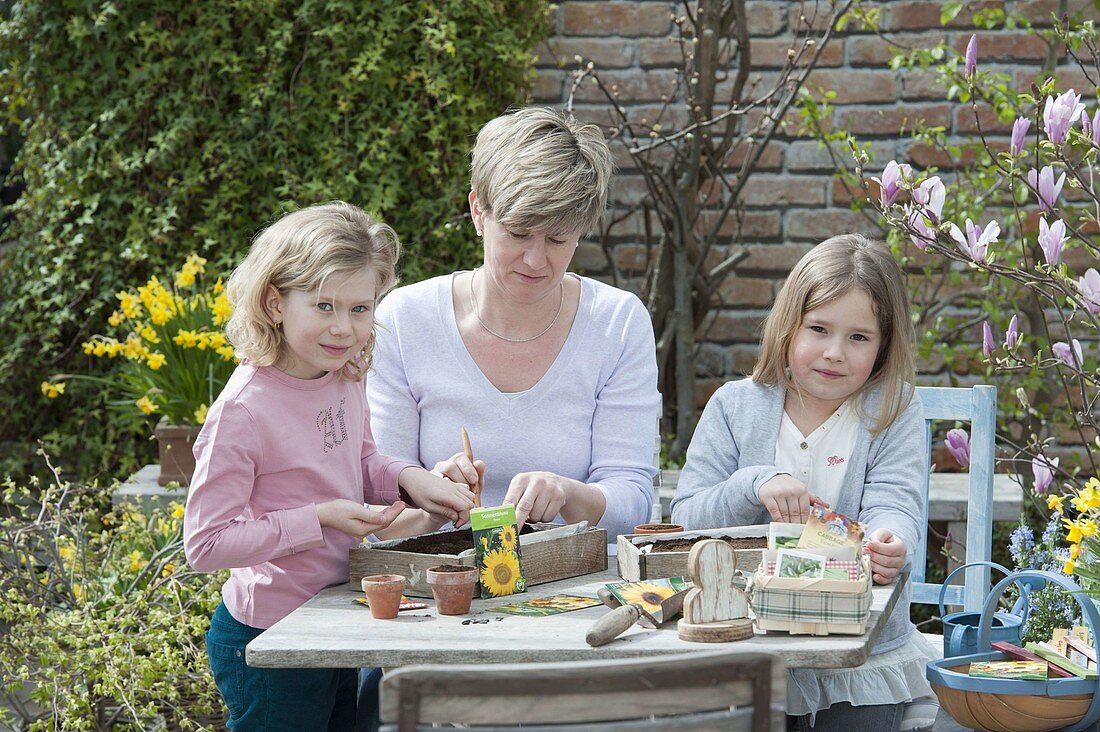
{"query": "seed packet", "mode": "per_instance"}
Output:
(551, 605)
(1034, 670)
(496, 551)
(827, 529)
(783, 535)
(648, 593)
(797, 563)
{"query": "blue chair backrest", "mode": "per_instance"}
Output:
(977, 405)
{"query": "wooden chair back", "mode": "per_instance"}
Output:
(978, 406)
(723, 690)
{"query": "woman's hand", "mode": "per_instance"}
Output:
(461, 469)
(786, 499)
(888, 554)
(356, 519)
(538, 496)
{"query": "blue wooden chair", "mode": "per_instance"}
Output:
(977, 405)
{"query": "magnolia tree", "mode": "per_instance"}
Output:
(695, 153)
(1009, 248)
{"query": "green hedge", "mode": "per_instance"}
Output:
(154, 129)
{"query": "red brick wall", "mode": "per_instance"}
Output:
(793, 201)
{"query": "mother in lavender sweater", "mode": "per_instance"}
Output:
(553, 375)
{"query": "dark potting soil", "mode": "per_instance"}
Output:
(683, 545)
(446, 568)
(445, 542)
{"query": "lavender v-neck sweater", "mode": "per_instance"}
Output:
(591, 417)
(732, 454)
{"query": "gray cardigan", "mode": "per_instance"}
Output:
(732, 454)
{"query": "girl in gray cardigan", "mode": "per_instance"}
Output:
(829, 414)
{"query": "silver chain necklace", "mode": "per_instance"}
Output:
(490, 331)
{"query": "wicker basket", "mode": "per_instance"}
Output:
(1011, 705)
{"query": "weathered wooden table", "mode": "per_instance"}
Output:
(333, 631)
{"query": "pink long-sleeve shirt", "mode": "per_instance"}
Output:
(273, 447)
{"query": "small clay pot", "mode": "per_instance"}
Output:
(657, 528)
(453, 588)
(384, 594)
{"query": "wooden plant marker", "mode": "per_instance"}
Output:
(715, 611)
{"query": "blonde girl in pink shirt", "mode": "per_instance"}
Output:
(286, 463)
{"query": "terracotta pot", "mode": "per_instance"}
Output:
(657, 528)
(174, 444)
(453, 587)
(384, 594)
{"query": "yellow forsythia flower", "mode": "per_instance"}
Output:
(78, 591)
(155, 360)
(53, 391)
(146, 405)
(168, 570)
(177, 511)
(200, 415)
(137, 560)
(66, 552)
(1054, 503)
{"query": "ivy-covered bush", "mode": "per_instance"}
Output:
(160, 128)
(102, 618)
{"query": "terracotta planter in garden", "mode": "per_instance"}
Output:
(384, 594)
(453, 586)
(657, 528)
(174, 444)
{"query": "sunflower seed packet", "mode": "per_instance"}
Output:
(496, 551)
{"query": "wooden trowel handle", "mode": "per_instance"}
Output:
(611, 625)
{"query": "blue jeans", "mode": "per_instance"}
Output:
(369, 706)
(262, 699)
(843, 717)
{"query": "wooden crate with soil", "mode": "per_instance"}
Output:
(548, 553)
(651, 556)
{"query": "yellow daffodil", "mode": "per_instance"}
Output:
(53, 391)
(160, 315)
(131, 305)
(1069, 566)
(1073, 533)
(1074, 551)
(156, 360)
(115, 319)
(177, 510)
(1089, 495)
(88, 347)
(218, 287)
(200, 414)
(185, 277)
(1054, 503)
(1088, 527)
(221, 309)
(149, 333)
(146, 405)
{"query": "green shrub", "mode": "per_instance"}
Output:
(160, 128)
(103, 620)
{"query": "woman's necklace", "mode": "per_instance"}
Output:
(490, 331)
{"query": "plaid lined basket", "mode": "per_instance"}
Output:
(812, 606)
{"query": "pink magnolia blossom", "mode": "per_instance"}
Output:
(1043, 470)
(1051, 239)
(1090, 290)
(1060, 113)
(976, 242)
(988, 346)
(1012, 335)
(891, 177)
(929, 197)
(1047, 189)
(1069, 355)
(971, 55)
(1019, 134)
(958, 444)
(1091, 129)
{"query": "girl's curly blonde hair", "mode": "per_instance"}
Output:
(300, 252)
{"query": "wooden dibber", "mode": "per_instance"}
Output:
(469, 452)
(715, 611)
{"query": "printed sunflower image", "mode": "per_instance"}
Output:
(497, 551)
(648, 594)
